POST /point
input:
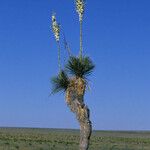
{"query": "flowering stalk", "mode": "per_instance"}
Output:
(81, 49)
(59, 60)
(80, 4)
(67, 46)
(56, 31)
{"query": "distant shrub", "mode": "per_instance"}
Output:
(17, 147)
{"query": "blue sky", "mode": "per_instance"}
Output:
(116, 36)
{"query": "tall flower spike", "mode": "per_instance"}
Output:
(56, 31)
(56, 28)
(80, 8)
(80, 4)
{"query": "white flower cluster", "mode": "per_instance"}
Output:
(80, 8)
(56, 28)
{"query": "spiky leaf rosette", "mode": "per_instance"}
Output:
(60, 82)
(80, 67)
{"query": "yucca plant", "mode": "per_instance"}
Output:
(73, 80)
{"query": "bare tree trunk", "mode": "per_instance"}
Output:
(75, 101)
(85, 130)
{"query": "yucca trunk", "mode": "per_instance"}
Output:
(75, 101)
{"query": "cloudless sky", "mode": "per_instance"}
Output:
(116, 37)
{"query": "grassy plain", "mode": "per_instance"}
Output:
(65, 139)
